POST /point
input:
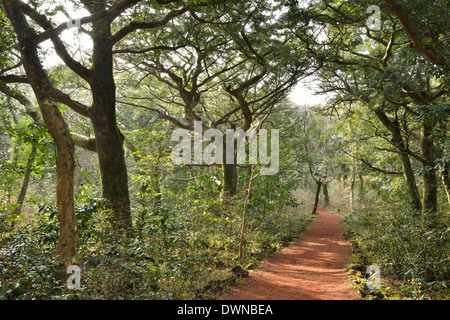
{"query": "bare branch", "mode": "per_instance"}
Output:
(72, 104)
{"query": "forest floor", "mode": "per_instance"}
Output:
(313, 268)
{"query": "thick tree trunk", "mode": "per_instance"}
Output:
(429, 203)
(229, 174)
(65, 166)
(108, 138)
(67, 241)
(112, 166)
(316, 199)
(229, 181)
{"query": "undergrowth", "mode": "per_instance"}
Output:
(411, 249)
(176, 251)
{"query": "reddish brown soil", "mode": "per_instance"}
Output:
(313, 268)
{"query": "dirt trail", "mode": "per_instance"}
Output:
(313, 268)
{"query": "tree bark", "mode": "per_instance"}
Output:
(28, 44)
(26, 180)
(416, 41)
(352, 193)
(316, 199)
(244, 218)
(429, 203)
(446, 181)
(326, 197)
(229, 174)
(361, 185)
(408, 172)
(229, 181)
(14, 156)
(108, 138)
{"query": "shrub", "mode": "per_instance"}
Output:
(414, 248)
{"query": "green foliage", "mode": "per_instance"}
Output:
(47, 224)
(414, 249)
(184, 247)
(28, 270)
(185, 238)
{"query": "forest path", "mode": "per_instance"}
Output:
(313, 268)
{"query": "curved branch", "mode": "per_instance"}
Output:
(58, 44)
(135, 25)
(76, 106)
(416, 41)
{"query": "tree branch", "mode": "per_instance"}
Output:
(416, 41)
(72, 104)
(58, 44)
(135, 25)
(87, 143)
(115, 10)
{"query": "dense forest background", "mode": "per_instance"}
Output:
(91, 93)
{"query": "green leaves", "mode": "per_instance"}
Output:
(421, 261)
(434, 113)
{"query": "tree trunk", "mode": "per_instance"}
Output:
(446, 181)
(352, 194)
(65, 149)
(26, 180)
(408, 173)
(112, 166)
(14, 156)
(429, 203)
(229, 181)
(244, 218)
(316, 199)
(361, 185)
(108, 137)
(326, 197)
(65, 167)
